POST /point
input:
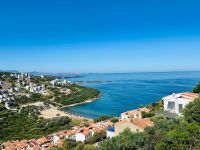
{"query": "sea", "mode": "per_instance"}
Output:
(126, 91)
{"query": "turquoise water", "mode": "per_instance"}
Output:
(122, 92)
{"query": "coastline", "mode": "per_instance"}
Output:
(54, 111)
(85, 102)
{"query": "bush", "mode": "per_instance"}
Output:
(114, 120)
(147, 115)
(102, 118)
(97, 137)
(192, 111)
(197, 88)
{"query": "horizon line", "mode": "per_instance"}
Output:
(41, 72)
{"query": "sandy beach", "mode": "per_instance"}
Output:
(53, 112)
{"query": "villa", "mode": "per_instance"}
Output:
(176, 102)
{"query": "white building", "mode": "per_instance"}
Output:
(110, 133)
(60, 82)
(83, 135)
(56, 138)
(53, 82)
(176, 102)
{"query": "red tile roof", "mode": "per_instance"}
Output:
(42, 140)
(136, 111)
(34, 142)
(85, 131)
(142, 123)
(190, 96)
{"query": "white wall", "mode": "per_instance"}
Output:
(55, 138)
(182, 101)
(124, 117)
(80, 137)
(177, 101)
(110, 134)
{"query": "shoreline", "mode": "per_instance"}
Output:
(53, 111)
(85, 102)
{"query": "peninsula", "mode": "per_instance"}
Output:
(41, 99)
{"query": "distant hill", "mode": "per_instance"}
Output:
(12, 71)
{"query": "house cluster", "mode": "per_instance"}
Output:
(42, 143)
(176, 102)
(132, 120)
(24, 81)
(20, 76)
(8, 91)
(7, 97)
(33, 88)
(58, 82)
(173, 106)
(7, 94)
(78, 134)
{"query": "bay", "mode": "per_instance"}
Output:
(125, 91)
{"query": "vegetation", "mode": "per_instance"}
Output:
(27, 125)
(78, 94)
(102, 118)
(148, 115)
(5, 76)
(39, 80)
(154, 108)
(197, 88)
(192, 112)
(100, 136)
(114, 120)
(36, 97)
(71, 145)
(179, 134)
(125, 141)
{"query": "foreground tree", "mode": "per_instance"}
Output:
(197, 88)
(126, 141)
(192, 111)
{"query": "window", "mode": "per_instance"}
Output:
(171, 106)
(180, 107)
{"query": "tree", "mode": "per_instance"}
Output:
(114, 120)
(192, 111)
(89, 147)
(102, 118)
(69, 145)
(197, 88)
(125, 141)
(79, 146)
(97, 137)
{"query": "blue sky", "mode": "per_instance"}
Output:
(99, 36)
